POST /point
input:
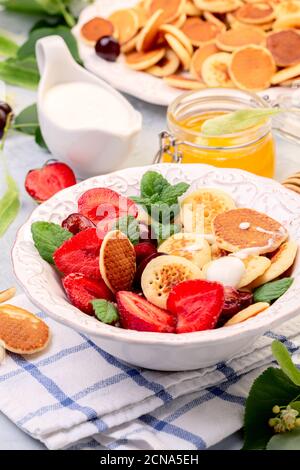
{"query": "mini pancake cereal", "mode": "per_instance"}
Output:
(247, 313)
(256, 35)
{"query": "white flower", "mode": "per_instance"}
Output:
(288, 417)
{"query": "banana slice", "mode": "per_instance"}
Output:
(163, 273)
(215, 70)
(202, 206)
(167, 66)
(190, 246)
(282, 260)
(255, 267)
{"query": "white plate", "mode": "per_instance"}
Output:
(139, 84)
(157, 350)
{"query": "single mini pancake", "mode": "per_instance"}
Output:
(241, 228)
(181, 52)
(126, 22)
(144, 60)
(200, 32)
(257, 59)
(199, 57)
(22, 332)
(95, 29)
(148, 35)
(218, 6)
(247, 313)
(286, 74)
(215, 70)
(171, 8)
(191, 246)
(178, 34)
(284, 47)
(255, 13)
(117, 261)
(232, 39)
(183, 83)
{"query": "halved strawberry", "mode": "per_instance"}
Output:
(102, 203)
(144, 250)
(80, 254)
(42, 183)
(136, 313)
(81, 290)
(197, 305)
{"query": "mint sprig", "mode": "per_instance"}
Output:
(130, 227)
(271, 291)
(105, 311)
(47, 237)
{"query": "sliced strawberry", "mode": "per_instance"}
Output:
(81, 255)
(136, 313)
(144, 250)
(102, 203)
(76, 223)
(42, 183)
(81, 290)
(197, 304)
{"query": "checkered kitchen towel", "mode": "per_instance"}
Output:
(75, 395)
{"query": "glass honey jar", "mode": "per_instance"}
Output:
(252, 149)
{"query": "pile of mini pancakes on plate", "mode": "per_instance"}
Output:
(194, 44)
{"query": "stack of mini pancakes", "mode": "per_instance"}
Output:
(193, 44)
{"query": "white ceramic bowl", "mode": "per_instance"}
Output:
(156, 350)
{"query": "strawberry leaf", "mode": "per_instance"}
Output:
(105, 311)
(283, 358)
(271, 388)
(47, 238)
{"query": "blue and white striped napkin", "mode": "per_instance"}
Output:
(75, 395)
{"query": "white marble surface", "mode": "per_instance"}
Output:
(23, 155)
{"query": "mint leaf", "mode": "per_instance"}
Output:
(237, 121)
(152, 183)
(170, 194)
(47, 238)
(283, 358)
(105, 311)
(272, 290)
(130, 227)
(271, 388)
(285, 441)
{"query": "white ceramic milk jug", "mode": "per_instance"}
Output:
(90, 145)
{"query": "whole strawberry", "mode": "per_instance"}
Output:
(43, 183)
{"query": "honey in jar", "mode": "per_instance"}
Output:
(252, 149)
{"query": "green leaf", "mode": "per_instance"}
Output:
(22, 6)
(28, 48)
(20, 72)
(8, 47)
(9, 204)
(164, 231)
(152, 184)
(48, 22)
(285, 441)
(47, 237)
(105, 311)
(170, 194)
(130, 227)
(272, 290)
(283, 358)
(295, 405)
(27, 121)
(237, 121)
(39, 139)
(271, 388)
